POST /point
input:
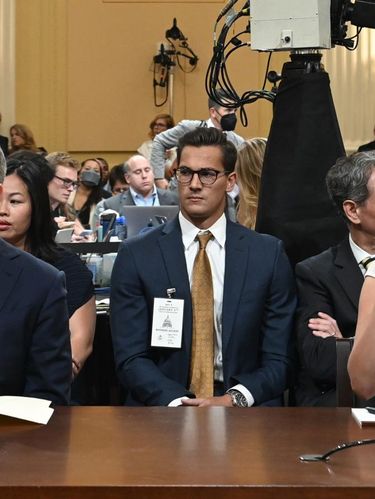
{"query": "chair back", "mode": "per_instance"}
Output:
(345, 396)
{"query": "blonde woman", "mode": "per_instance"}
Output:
(249, 169)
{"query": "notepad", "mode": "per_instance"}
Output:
(28, 408)
(363, 417)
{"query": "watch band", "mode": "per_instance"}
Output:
(238, 398)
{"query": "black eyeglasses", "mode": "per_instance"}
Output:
(67, 182)
(207, 176)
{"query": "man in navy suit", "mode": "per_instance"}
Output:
(253, 288)
(35, 357)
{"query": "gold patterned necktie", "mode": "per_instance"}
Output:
(366, 261)
(202, 353)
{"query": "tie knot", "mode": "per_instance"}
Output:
(203, 239)
(366, 261)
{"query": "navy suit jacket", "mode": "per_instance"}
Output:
(258, 308)
(35, 357)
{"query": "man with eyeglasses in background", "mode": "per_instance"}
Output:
(65, 170)
(171, 351)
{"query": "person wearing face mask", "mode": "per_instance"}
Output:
(82, 201)
(222, 118)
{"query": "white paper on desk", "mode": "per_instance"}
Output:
(27, 408)
(363, 417)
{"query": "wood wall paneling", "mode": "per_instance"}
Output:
(84, 79)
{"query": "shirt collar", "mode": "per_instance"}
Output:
(139, 196)
(190, 231)
(210, 123)
(359, 253)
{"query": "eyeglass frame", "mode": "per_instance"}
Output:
(68, 183)
(199, 173)
(120, 190)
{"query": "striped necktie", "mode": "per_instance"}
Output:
(366, 261)
(202, 352)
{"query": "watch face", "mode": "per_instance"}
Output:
(239, 400)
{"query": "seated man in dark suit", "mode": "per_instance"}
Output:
(235, 299)
(142, 190)
(329, 284)
(35, 357)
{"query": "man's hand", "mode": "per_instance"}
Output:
(325, 326)
(224, 400)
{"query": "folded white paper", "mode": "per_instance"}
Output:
(27, 408)
(363, 417)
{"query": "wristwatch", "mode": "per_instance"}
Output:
(238, 398)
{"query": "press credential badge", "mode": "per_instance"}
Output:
(167, 323)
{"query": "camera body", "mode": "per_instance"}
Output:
(291, 24)
(306, 24)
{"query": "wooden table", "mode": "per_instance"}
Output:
(180, 453)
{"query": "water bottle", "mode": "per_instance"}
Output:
(120, 228)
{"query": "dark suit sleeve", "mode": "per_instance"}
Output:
(263, 351)
(272, 377)
(48, 366)
(131, 322)
(318, 355)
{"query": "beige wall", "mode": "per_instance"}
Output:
(83, 71)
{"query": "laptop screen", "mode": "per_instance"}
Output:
(139, 219)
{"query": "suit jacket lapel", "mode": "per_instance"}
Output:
(236, 262)
(127, 199)
(348, 273)
(9, 271)
(172, 250)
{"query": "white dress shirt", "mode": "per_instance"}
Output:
(359, 254)
(215, 250)
(139, 200)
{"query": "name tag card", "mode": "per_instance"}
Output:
(167, 323)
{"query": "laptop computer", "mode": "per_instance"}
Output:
(64, 236)
(139, 219)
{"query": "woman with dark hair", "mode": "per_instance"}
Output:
(26, 223)
(21, 137)
(82, 202)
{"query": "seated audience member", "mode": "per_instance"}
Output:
(142, 190)
(329, 284)
(370, 146)
(27, 224)
(117, 181)
(82, 201)
(21, 137)
(159, 124)
(238, 297)
(361, 365)
(4, 142)
(35, 358)
(222, 118)
(249, 170)
(63, 182)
